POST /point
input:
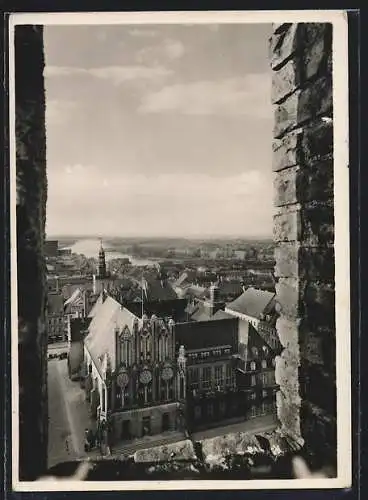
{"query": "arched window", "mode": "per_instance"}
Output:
(145, 345)
(252, 366)
(264, 363)
(125, 353)
(163, 346)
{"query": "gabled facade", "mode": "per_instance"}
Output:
(133, 378)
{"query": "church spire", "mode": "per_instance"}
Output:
(101, 262)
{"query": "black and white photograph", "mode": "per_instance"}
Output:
(180, 251)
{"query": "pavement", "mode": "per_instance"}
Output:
(68, 415)
(253, 426)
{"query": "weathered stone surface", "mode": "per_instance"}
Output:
(280, 27)
(287, 151)
(288, 332)
(304, 228)
(286, 115)
(311, 347)
(305, 146)
(285, 187)
(315, 183)
(317, 264)
(283, 45)
(317, 141)
(288, 297)
(316, 100)
(31, 212)
(319, 430)
(324, 393)
(285, 81)
(286, 225)
(303, 105)
(319, 304)
(287, 260)
(317, 48)
(317, 224)
(294, 260)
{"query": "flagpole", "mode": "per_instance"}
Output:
(142, 295)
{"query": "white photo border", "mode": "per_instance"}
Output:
(339, 21)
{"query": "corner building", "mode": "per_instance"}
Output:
(134, 382)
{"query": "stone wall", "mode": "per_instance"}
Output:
(301, 62)
(31, 211)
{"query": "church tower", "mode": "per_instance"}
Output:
(101, 271)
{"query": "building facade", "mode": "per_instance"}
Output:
(134, 382)
(55, 318)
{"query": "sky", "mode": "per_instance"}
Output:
(159, 130)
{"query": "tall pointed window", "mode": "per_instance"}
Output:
(163, 346)
(126, 347)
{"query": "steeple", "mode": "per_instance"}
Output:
(101, 272)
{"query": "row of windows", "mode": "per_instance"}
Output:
(263, 409)
(256, 352)
(264, 364)
(209, 376)
(144, 394)
(126, 351)
(207, 354)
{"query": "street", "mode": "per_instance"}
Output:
(253, 426)
(68, 415)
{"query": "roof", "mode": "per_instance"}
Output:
(76, 294)
(55, 303)
(101, 332)
(195, 291)
(221, 315)
(96, 307)
(253, 302)
(255, 340)
(206, 334)
(186, 278)
(158, 290)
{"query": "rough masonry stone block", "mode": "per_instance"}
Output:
(283, 45)
(317, 224)
(314, 264)
(285, 186)
(317, 48)
(288, 332)
(316, 100)
(285, 81)
(315, 183)
(287, 151)
(286, 225)
(288, 292)
(302, 106)
(319, 305)
(280, 27)
(317, 141)
(286, 115)
(317, 264)
(287, 260)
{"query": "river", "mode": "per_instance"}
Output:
(90, 249)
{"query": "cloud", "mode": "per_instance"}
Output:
(248, 95)
(115, 74)
(142, 32)
(169, 49)
(58, 111)
(170, 204)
